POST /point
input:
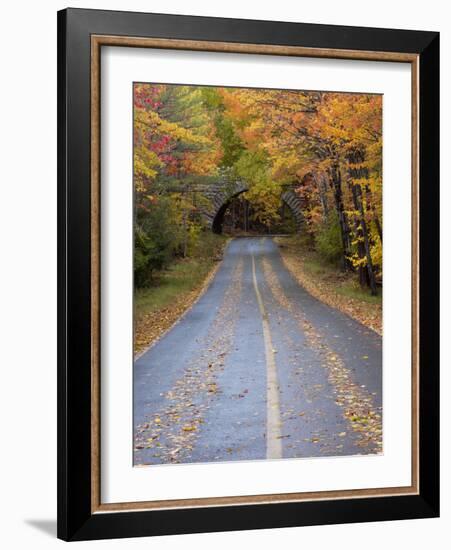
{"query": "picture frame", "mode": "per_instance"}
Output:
(81, 35)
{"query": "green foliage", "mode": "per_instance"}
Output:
(326, 144)
(351, 289)
(376, 253)
(155, 241)
(328, 239)
(180, 276)
(252, 167)
(264, 192)
(231, 144)
(286, 224)
(161, 237)
(194, 233)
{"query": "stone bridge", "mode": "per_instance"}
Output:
(221, 194)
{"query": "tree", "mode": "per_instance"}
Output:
(175, 146)
(310, 138)
(326, 145)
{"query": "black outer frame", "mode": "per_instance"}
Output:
(75, 520)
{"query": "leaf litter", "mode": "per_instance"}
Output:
(356, 402)
(172, 432)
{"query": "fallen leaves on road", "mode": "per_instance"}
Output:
(356, 401)
(174, 429)
(151, 326)
(370, 315)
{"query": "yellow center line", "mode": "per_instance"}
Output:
(273, 422)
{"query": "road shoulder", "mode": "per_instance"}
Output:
(369, 314)
(150, 327)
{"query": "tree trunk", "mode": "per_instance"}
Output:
(185, 236)
(335, 182)
(358, 172)
(321, 185)
(362, 239)
(370, 207)
(246, 214)
(233, 216)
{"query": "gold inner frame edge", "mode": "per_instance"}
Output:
(97, 41)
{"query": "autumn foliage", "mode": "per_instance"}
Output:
(327, 146)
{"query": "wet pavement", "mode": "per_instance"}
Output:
(256, 369)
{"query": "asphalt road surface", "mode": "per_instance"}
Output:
(258, 369)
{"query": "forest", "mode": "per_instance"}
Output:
(326, 146)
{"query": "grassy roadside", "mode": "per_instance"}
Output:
(175, 289)
(329, 284)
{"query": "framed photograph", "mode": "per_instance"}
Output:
(248, 274)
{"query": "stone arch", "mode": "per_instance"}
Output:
(292, 200)
(221, 195)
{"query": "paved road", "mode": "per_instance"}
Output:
(256, 369)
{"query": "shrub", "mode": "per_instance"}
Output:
(155, 240)
(328, 239)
